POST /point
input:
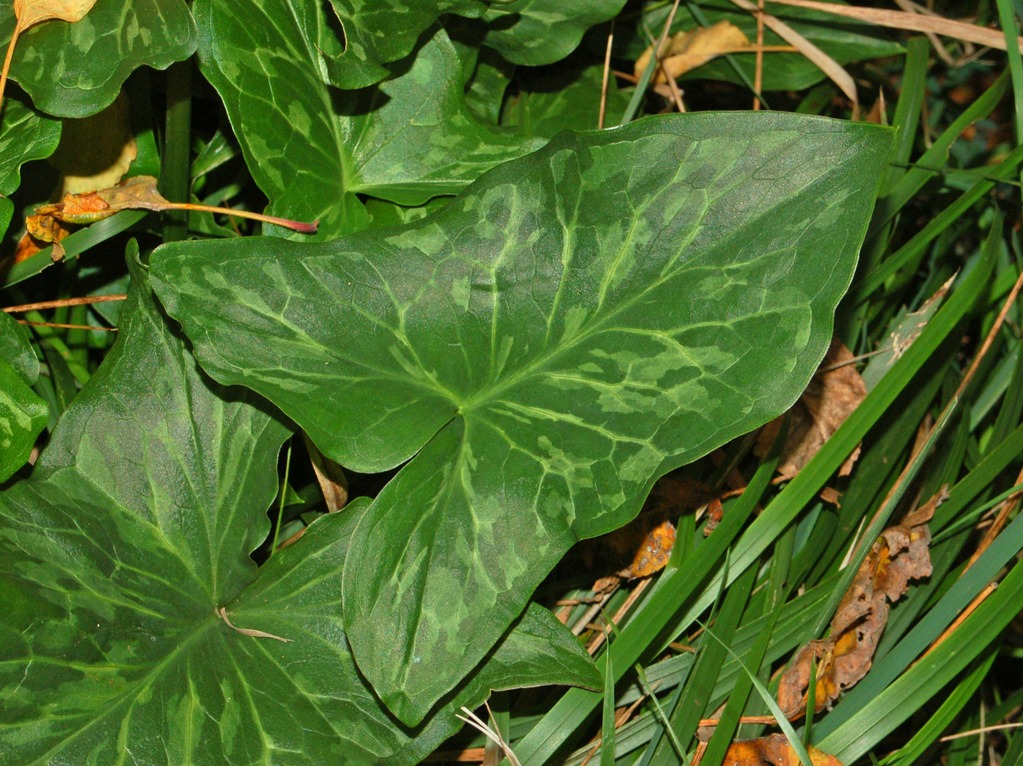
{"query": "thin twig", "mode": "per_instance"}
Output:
(607, 77)
(64, 326)
(972, 732)
(758, 72)
(913, 22)
(835, 72)
(64, 302)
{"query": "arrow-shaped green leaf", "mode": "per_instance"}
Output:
(569, 328)
(134, 530)
(312, 148)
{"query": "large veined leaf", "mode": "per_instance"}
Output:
(537, 32)
(74, 70)
(23, 415)
(566, 330)
(134, 530)
(311, 148)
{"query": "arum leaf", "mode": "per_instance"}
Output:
(23, 415)
(25, 135)
(16, 349)
(572, 326)
(135, 530)
(537, 32)
(536, 110)
(312, 149)
(74, 70)
(377, 32)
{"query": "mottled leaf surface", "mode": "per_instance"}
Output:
(537, 32)
(134, 528)
(539, 110)
(16, 349)
(23, 415)
(377, 32)
(25, 135)
(312, 148)
(74, 70)
(566, 330)
(414, 137)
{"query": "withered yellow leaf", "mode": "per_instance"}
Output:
(30, 12)
(686, 51)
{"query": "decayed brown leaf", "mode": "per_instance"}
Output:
(686, 51)
(834, 392)
(773, 750)
(330, 476)
(899, 555)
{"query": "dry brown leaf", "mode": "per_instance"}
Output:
(773, 750)
(686, 51)
(329, 475)
(835, 391)
(899, 555)
(653, 552)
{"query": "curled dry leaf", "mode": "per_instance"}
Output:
(686, 51)
(834, 392)
(330, 476)
(773, 750)
(899, 555)
(49, 223)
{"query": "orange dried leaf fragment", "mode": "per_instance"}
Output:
(773, 750)
(653, 552)
(899, 555)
